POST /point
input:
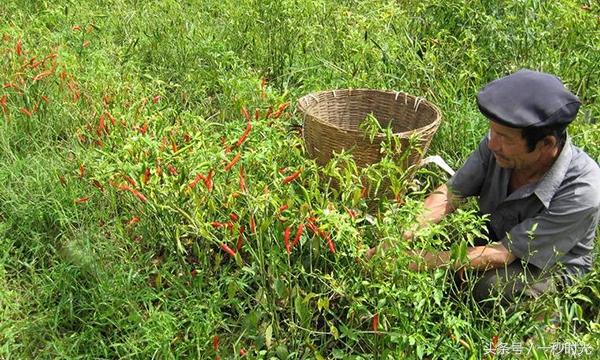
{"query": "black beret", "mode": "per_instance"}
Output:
(528, 99)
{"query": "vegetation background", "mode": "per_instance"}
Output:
(96, 273)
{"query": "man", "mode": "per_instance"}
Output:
(542, 193)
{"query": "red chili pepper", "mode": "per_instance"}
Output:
(240, 240)
(135, 192)
(42, 75)
(198, 177)
(112, 119)
(208, 182)
(242, 180)
(298, 235)
(19, 47)
(155, 99)
(81, 200)
(325, 236)
(172, 170)
(215, 342)
(134, 220)
(217, 224)
(144, 128)
(3, 101)
(45, 99)
(233, 162)
(245, 113)
(283, 208)
(76, 28)
(227, 249)
(252, 224)
(174, 147)
(101, 126)
(139, 195)
(351, 212)
(244, 134)
(24, 110)
(130, 181)
(269, 112)
(81, 170)
(376, 323)
(97, 184)
(329, 240)
(280, 110)
(256, 114)
(292, 177)
(243, 352)
(146, 176)
(286, 239)
(234, 217)
(364, 192)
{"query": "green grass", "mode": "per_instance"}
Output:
(78, 281)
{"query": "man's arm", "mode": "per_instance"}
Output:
(480, 257)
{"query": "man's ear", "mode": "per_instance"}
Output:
(549, 141)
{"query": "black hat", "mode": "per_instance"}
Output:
(528, 99)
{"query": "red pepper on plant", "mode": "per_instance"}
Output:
(252, 224)
(298, 235)
(242, 180)
(82, 200)
(146, 176)
(376, 323)
(269, 112)
(215, 342)
(233, 162)
(227, 249)
(208, 181)
(286, 239)
(194, 182)
(292, 177)
(245, 113)
(244, 134)
(240, 240)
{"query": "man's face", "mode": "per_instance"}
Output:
(510, 148)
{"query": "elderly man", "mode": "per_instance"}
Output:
(542, 193)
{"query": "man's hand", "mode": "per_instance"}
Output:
(487, 257)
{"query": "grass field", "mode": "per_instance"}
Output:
(128, 229)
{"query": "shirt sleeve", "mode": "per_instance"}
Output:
(468, 180)
(544, 239)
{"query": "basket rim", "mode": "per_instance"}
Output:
(312, 96)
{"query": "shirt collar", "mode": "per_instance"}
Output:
(548, 185)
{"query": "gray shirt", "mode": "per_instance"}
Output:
(550, 222)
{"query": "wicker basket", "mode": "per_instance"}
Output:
(332, 119)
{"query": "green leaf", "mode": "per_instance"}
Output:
(334, 330)
(323, 303)
(269, 336)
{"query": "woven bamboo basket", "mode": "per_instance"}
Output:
(332, 119)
